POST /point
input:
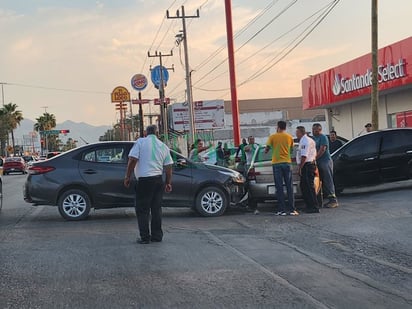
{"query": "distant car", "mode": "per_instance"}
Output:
(374, 158)
(29, 160)
(83, 178)
(261, 185)
(14, 165)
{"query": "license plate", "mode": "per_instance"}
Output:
(272, 190)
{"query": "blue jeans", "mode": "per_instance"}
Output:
(282, 172)
(326, 175)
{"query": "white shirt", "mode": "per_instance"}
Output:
(307, 148)
(152, 156)
(249, 154)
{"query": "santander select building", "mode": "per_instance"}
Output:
(344, 91)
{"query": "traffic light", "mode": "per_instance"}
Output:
(64, 131)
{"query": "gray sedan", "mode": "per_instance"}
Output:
(92, 177)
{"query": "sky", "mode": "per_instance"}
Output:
(66, 56)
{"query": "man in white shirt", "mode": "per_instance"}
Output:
(306, 161)
(148, 157)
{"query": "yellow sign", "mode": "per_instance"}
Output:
(120, 94)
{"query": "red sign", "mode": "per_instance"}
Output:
(165, 100)
(144, 101)
(353, 79)
(404, 120)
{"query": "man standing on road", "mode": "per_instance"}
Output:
(249, 150)
(325, 165)
(147, 158)
(334, 143)
(306, 161)
(281, 144)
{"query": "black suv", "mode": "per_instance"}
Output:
(374, 158)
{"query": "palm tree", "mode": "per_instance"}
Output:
(44, 123)
(12, 118)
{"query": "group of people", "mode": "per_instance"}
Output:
(149, 157)
(313, 156)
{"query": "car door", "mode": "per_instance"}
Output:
(182, 183)
(396, 155)
(357, 164)
(103, 169)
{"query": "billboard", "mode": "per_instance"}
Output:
(353, 79)
(208, 115)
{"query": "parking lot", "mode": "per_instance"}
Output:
(356, 256)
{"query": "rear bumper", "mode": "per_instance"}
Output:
(236, 192)
(266, 191)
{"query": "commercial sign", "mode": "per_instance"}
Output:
(157, 101)
(139, 82)
(120, 94)
(404, 120)
(208, 115)
(353, 79)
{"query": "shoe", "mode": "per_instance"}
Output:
(331, 204)
(278, 213)
(283, 213)
(294, 213)
(143, 241)
(155, 240)
(312, 211)
(256, 212)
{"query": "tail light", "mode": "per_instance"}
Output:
(38, 170)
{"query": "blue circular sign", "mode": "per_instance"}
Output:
(155, 75)
(139, 82)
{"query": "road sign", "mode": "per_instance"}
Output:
(158, 101)
(120, 94)
(155, 75)
(139, 82)
(143, 101)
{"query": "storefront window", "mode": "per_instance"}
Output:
(401, 120)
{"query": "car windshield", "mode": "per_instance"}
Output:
(261, 156)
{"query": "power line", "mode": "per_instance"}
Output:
(269, 44)
(59, 89)
(303, 36)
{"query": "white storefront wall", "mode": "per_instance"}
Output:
(349, 119)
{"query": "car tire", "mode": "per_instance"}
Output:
(74, 205)
(211, 202)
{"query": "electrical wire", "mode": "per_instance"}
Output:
(58, 89)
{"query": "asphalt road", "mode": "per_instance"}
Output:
(356, 256)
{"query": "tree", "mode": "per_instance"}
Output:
(11, 118)
(44, 123)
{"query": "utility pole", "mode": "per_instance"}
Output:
(233, 89)
(183, 37)
(2, 91)
(163, 105)
(375, 84)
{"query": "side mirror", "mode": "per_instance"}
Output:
(181, 163)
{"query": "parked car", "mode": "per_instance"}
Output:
(29, 160)
(261, 185)
(374, 158)
(14, 165)
(83, 178)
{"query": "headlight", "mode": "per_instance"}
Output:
(236, 177)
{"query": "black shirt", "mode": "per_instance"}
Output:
(333, 146)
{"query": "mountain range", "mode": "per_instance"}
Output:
(80, 131)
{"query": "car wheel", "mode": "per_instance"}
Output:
(74, 205)
(211, 202)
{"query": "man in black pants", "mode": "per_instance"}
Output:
(306, 160)
(147, 158)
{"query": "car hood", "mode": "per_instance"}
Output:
(224, 170)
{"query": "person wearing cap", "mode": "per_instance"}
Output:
(368, 127)
(148, 158)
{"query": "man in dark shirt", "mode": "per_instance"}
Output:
(334, 144)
